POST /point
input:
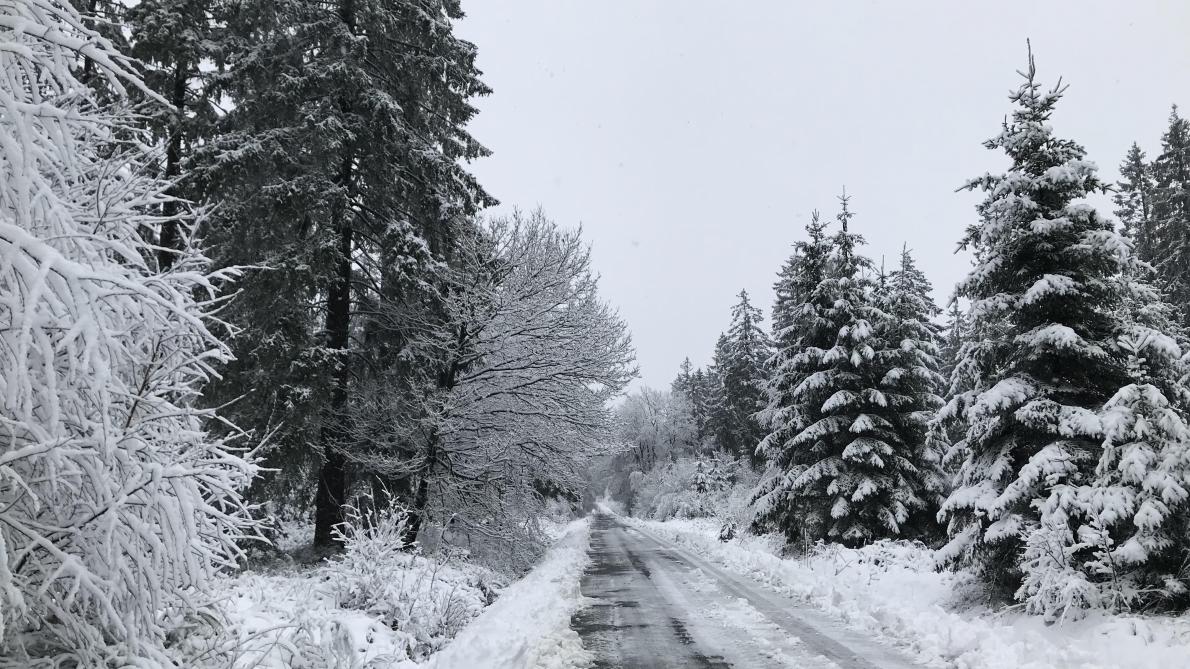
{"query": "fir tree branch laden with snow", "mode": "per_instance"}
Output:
(116, 507)
(1043, 393)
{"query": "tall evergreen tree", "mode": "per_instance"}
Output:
(952, 338)
(911, 358)
(1134, 203)
(801, 333)
(743, 370)
(1171, 210)
(340, 169)
(701, 394)
(719, 423)
(1041, 361)
(692, 383)
(685, 378)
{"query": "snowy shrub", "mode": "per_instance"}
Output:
(1053, 585)
(286, 620)
(696, 488)
(374, 606)
(428, 599)
(116, 507)
(666, 492)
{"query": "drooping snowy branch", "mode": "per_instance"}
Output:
(115, 506)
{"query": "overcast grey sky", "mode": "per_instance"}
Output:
(692, 138)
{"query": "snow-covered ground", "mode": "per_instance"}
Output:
(891, 590)
(529, 626)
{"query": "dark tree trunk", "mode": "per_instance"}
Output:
(170, 240)
(416, 516)
(332, 479)
(89, 21)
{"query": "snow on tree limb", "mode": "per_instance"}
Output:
(116, 507)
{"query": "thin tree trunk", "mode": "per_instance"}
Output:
(447, 380)
(170, 240)
(420, 501)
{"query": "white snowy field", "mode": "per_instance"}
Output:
(891, 591)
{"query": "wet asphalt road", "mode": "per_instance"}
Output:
(655, 605)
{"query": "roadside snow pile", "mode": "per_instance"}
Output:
(529, 626)
(890, 590)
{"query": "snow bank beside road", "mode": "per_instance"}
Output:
(528, 627)
(890, 590)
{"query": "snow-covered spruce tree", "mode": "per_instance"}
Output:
(912, 382)
(116, 507)
(1171, 211)
(953, 336)
(1137, 512)
(683, 382)
(1044, 315)
(1134, 203)
(341, 169)
(742, 368)
(692, 385)
(701, 395)
(857, 468)
(801, 334)
(718, 424)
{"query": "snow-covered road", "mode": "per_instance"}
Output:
(656, 605)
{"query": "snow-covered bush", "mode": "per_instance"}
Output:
(374, 606)
(666, 492)
(116, 507)
(428, 599)
(710, 487)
